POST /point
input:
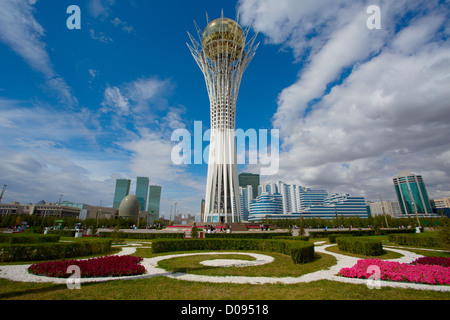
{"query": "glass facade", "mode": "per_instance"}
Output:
(121, 191)
(252, 179)
(310, 198)
(266, 206)
(154, 199)
(411, 193)
(142, 191)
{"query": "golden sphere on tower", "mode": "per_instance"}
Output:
(223, 36)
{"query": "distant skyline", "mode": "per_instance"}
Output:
(355, 106)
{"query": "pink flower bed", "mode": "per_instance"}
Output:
(395, 271)
(115, 266)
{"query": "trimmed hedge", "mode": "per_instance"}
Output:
(300, 251)
(142, 235)
(391, 231)
(16, 238)
(360, 245)
(252, 235)
(354, 233)
(332, 237)
(63, 233)
(417, 240)
(302, 238)
(52, 251)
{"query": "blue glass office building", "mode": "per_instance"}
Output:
(338, 205)
(412, 194)
(266, 206)
(310, 198)
(121, 191)
(154, 199)
(142, 191)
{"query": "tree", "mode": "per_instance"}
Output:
(194, 231)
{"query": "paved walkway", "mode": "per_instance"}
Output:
(20, 273)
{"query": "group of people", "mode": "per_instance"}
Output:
(212, 229)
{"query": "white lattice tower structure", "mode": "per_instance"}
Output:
(222, 55)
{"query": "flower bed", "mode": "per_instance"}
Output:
(395, 271)
(115, 266)
(440, 261)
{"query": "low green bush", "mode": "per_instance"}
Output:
(360, 245)
(141, 235)
(247, 235)
(416, 240)
(16, 238)
(52, 251)
(391, 231)
(300, 251)
(332, 237)
(354, 233)
(63, 233)
(302, 238)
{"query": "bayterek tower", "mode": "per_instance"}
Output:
(223, 53)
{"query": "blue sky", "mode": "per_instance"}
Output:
(354, 106)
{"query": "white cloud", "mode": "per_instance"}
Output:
(388, 113)
(117, 22)
(100, 8)
(22, 33)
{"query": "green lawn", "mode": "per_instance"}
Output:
(163, 288)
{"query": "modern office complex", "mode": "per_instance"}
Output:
(266, 206)
(154, 199)
(246, 195)
(390, 208)
(122, 190)
(142, 191)
(222, 55)
(412, 194)
(298, 201)
(252, 179)
(338, 205)
(310, 198)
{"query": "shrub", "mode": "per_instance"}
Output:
(194, 231)
(332, 237)
(247, 235)
(142, 235)
(63, 233)
(52, 251)
(417, 240)
(16, 238)
(302, 238)
(300, 251)
(360, 245)
(355, 233)
(115, 266)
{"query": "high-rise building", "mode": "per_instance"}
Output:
(338, 205)
(412, 194)
(266, 206)
(310, 198)
(121, 191)
(252, 179)
(246, 199)
(222, 55)
(391, 208)
(142, 191)
(154, 199)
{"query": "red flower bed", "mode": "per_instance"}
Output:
(115, 266)
(439, 261)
